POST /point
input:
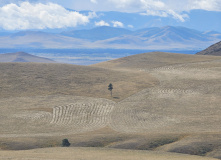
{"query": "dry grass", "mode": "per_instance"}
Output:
(153, 60)
(32, 79)
(167, 102)
(93, 153)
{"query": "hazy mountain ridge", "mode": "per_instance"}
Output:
(39, 39)
(163, 38)
(23, 57)
(168, 37)
(99, 33)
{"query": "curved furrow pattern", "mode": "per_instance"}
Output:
(86, 114)
(34, 116)
(82, 116)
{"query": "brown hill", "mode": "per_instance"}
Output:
(23, 57)
(212, 50)
(32, 79)
(162, 101)
(152, 60)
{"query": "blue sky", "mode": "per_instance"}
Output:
(41, 14)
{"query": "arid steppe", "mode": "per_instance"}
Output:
(165, 103)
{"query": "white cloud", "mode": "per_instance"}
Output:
(93, 1)
(162, 13)
(122, 3)
(152, 4)
(55, 16)
(175, 15)
(159, 8)
(152, 7)
(102, 23)
(167, 8)
(118, 24)
(175, 5)
(155, 13)
(92, 15)
(28, 15)
(131, 5)
(210, 5)
(130, 26)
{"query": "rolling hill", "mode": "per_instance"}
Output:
(54, 78)
(152, 60)
(161, 102)
(23, 57)
(215, 50)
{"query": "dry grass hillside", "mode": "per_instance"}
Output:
(153, 60)
(93, 153)
(214, 49)
(34, 79)
(161, 101)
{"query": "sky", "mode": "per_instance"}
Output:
(42, 14)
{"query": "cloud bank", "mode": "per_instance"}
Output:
(28, 15)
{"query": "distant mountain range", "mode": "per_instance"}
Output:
(215, 50)
(155, 38)
(23, 57)
(98, 33)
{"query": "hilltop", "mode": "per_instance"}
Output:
(23, 57)
(215, 50)
(152, 60)
(33, 79)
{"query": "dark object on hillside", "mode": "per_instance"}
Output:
(65, 143)
(110, 88)
(214, 50)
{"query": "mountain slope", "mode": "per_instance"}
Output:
(168, 37)
(163, 38)
(212, 50)
(173, 34)
(23, 57)
(99, 33)
(38, 39)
